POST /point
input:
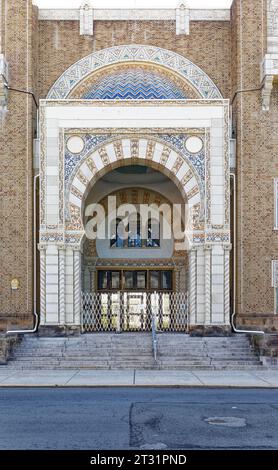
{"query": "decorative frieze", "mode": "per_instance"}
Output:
(172, 61)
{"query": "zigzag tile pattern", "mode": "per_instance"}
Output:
(135, 84)
(134, 53)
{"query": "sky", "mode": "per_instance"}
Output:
(134, 3)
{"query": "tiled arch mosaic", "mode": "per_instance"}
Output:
(134, 81)
(181, 66)
(127, 151)
(136, 84)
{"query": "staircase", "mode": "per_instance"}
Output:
(134, 351)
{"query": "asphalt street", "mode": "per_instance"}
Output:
(139, 418)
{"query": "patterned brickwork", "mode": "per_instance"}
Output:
(16, 167)
(56, 55)
(257, 140)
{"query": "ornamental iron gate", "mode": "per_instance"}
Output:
(134, 311)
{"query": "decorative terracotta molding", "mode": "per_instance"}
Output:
(178, 64)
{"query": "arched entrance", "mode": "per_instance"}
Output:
(86, 134)
(122, 154)
(126, 278)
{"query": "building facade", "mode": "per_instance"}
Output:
(173, 109)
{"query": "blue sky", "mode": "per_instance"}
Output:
(133, 3)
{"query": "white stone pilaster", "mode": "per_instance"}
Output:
(217, 285)
(86, 15)
(62, 279)
(77, 286)
(227, 252)
(51, 285)
(182, 19)
(193, 286)
(69, 287)
(201, 288)
(208, 251)
(42, 284)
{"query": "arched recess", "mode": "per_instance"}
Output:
(140, 54)
(134, 195)
(124, 152)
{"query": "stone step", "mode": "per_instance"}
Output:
(134, 351)
(140, 367)
(172, 348)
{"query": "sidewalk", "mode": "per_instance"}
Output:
(132, 378)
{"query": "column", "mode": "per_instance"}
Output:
(42, 284)
(200, 281)
(208, 285)
(69, 320)
(62, 280)
(52, 285)
(218, 308)
(193, 286)
(77, 286)
(227, 252)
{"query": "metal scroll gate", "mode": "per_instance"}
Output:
(134, 312)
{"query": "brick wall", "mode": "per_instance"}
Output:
(208, 45)
(16, 169)
(257, 163)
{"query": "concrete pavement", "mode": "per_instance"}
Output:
(131, 378)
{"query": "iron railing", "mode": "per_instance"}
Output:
(134, 311)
